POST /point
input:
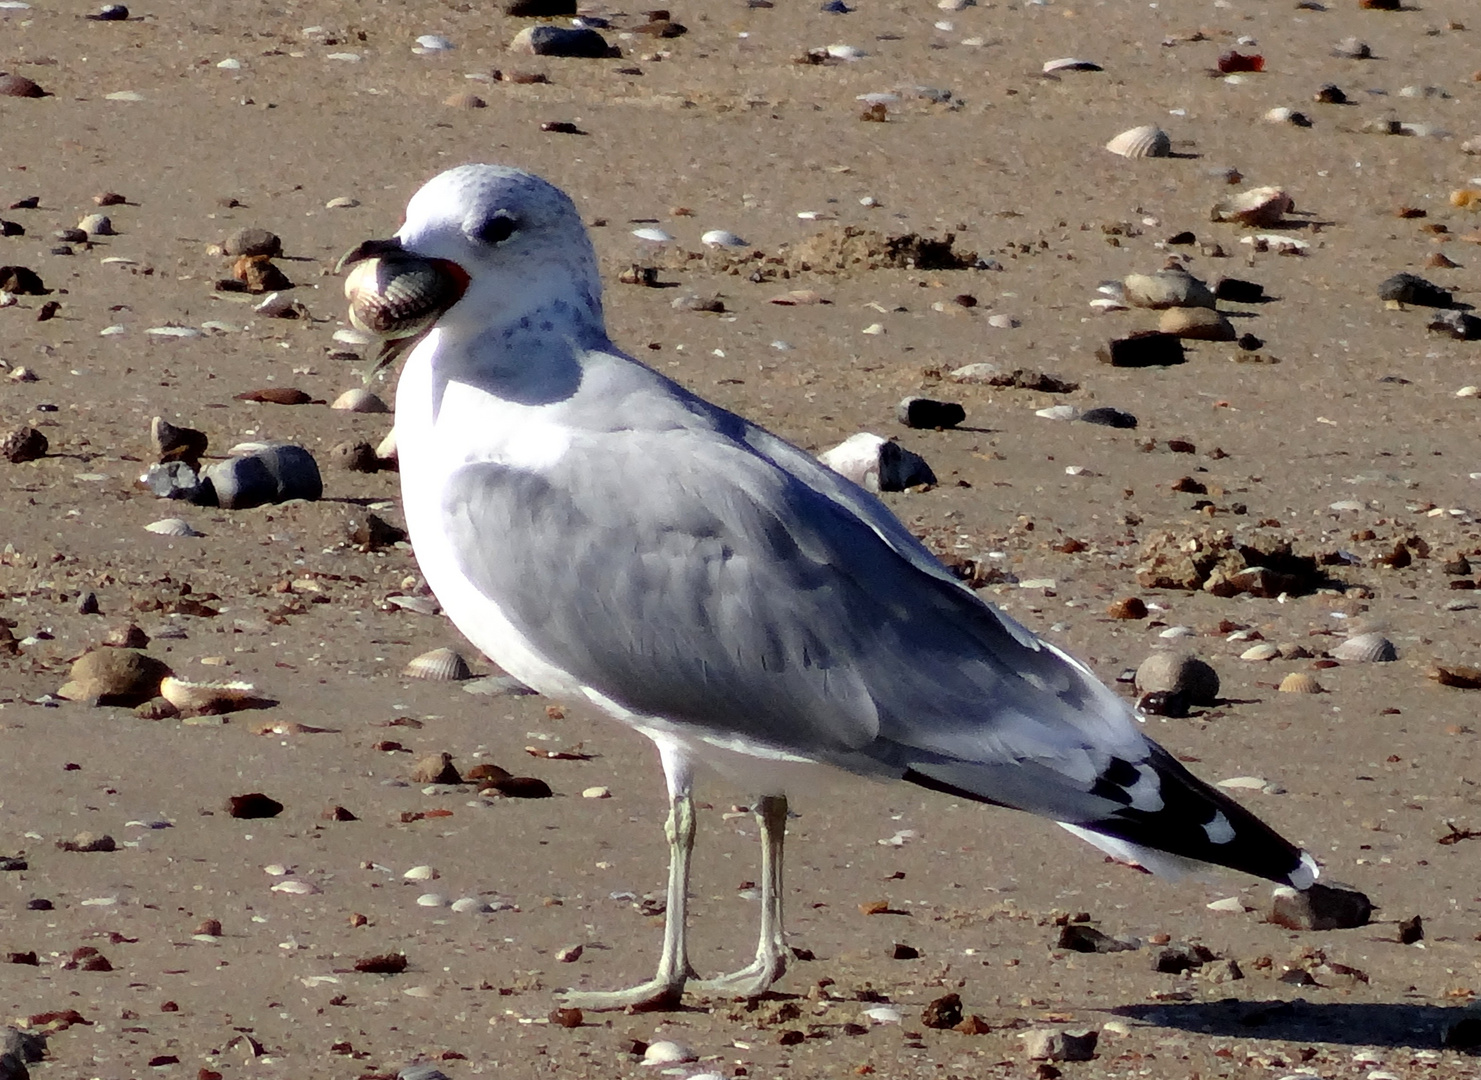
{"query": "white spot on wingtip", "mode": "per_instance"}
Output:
(1218, 830)
(1306, 872)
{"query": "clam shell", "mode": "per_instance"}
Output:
(1141, 142)
(359, 400)
(1261, 207)
(385, 450)
(211, 698)
(1300, 682)
(171, 527)
(722, 238)
(1263, 651)
(1366, 649)
(398, 297)
(439, 665)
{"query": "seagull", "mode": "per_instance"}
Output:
(609, 537)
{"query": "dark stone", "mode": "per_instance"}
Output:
(275, 474)
(253, 241)
(1323, 906)
(22, 445)
(1331, 94)
(110, 13)
(540, 9)
(1082, 937)
(1149, 348)
(354, 456)
(1106, 416)
(11, 228)
(375, 534)
(1460, 325)
(580, 42)
(19, 86)
(253, 805)
(1171, 703)
(21, 280)
(904, 952)
(1413, 289)
(944, 1012)
(1239, 291)
(1411, 930)
(520, 787)
(1176, 959)
(919, 412)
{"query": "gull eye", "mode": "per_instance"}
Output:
(496, 228)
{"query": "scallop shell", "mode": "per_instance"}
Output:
(1300, 682)
(393, 297)
(1141, 142)
(359, 400)
(171, 527)
(1366, 649)
(1261, 207)
(439, 665)
(209, 699)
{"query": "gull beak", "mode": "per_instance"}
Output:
(397, 296)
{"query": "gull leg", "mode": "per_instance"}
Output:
(666, 988)
(770, 964)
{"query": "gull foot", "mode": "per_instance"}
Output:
(751, 981)
(655, 995)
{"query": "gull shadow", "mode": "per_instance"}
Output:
(1395, 1024)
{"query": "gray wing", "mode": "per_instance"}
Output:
(713, 574)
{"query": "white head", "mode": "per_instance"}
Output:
(519, 240)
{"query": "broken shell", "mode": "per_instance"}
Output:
(439, 665)
(359, 400)
(1366, 649)
(1300, 682)
(1141, 142)
(209, 699)
(1261, 207)
(399, 297)
(1178, 673)
(171, 527)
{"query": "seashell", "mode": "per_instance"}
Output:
(596, 793)
(385, 450)
(667, 1052)
(279, 305)
(465, 99)
(1261, 207)
(432, 43)
(1070, 63)
(1178, 673)
(1141, 142)
(174, 332)
(431, 899)
(1197, 324)
(653, 235)
(1263, 651)
(296, 887)
(1290, 650)
(470, 904)
(1244, 783)
(1352, 48)
(171, 527)
(439, 665)
(421, 873)
(359, 400)
(718, 238)
(1282, 115)
(1168, 288)
(398, 296)
(845, 52)
(1300, 682)
(1281, 245)
(1371, 648)
(211, 698)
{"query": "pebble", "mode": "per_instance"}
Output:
(110, 13)
(596, 793)
(720, 238)
(273, 474)
(927, 413)
(1178, 673)
(96, 225)
(1106, 416)
(253, 241)
(1323, 906)
(111, 676)
(23, 444)
(579, 42)
(429, 44)
(1407, 288)
(877, 464)
(1048, 1044)
(1148, 348)
(19, 86)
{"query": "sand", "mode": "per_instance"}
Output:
(723, 128)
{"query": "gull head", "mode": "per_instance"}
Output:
(509, 246)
